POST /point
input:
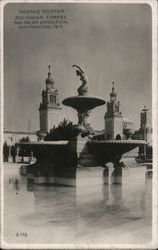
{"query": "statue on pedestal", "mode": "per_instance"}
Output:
(83, 89)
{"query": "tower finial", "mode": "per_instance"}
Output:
(145, 108)
(113, 94)
(113, 87)
(49, 81)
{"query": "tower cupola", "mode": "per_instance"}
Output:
(49, 81)
(113, 94)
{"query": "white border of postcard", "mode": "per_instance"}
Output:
(154, 244)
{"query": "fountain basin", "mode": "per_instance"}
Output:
(58, 162)
(112, 150)
(83, 102)
(88, 153)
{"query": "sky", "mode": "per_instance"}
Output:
(110, 42)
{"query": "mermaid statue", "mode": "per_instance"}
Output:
(83, 89)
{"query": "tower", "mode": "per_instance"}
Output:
(113, 117)
(49, 110)
(144, 118)
(145, 125)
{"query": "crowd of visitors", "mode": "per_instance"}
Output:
(12, 151)
(9, 151)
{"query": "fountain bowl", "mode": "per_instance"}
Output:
(83, 102)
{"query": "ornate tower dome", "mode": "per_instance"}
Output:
(49, 81)
(113, 94)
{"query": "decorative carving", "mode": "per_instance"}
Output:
(83, 89)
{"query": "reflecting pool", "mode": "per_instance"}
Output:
(97, 214)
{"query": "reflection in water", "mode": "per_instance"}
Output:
(17, 186)
(116, 195)
(106, 175)
(148, 173)
(14, 184)
(30, 185)
(116, 176)
(91, 214)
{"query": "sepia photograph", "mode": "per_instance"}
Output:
(79, 125)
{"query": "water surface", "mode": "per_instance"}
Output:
(99, 214)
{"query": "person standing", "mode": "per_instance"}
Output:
(13, 153)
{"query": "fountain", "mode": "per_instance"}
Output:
(83, 103)
(80, 160)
